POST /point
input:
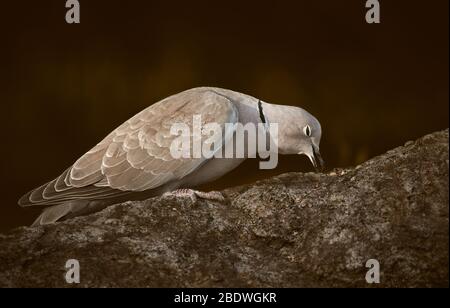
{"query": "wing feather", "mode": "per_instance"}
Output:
(136, 156)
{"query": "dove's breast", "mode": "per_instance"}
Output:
(212, 170)
(215, 168)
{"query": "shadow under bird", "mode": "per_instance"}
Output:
(134, 161)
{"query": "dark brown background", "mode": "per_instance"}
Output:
(64, 87)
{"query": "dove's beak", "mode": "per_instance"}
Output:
(316, 159)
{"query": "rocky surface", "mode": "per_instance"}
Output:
(294, 230)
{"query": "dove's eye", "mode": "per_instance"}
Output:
(307, 130)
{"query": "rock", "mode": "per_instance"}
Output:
(293, 230)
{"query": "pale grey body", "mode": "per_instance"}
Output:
(216, 168)
(133, 162)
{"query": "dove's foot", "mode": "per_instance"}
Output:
(182, 193)
(195, 194)
(210, 195)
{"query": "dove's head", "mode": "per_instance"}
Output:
(298, 132)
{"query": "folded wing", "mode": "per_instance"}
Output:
(136, 156)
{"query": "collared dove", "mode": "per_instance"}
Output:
(134, 161)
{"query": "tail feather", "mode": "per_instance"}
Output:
(70, 208)
(55, 213)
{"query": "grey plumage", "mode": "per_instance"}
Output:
(134, 161)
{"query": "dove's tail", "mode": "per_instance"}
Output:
(66, 210)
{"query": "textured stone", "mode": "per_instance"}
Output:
(293, 230)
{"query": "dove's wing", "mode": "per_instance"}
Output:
(136, 156)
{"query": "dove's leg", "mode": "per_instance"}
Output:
(194, 194)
